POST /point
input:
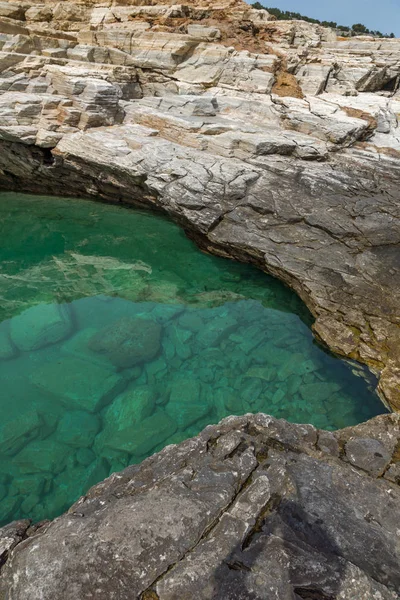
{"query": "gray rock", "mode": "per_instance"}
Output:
(368, 454)
(10, 536)
(251, 508)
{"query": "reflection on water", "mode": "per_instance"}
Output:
(118, 337)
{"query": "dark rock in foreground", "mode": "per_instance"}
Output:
(253, 508)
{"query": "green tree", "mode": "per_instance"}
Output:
(359, 28)
(287, 15)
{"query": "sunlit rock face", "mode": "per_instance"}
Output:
(270, 141)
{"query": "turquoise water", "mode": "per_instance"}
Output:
(118, 336)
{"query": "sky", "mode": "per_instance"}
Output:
(383, 15)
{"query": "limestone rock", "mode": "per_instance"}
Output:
(10, 536)
(368, 454)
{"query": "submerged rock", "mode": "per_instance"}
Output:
(40, 326)
(77, 428)
(128, 342)
(274, 142)
(7, 348)
(139, 441)
(17, 429)
(124, 417)
(42, 455)
(78, 384)
(251, 508)
(186, 404)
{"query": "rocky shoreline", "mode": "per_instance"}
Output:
(275, 143)
(281, 149)
(251, 508)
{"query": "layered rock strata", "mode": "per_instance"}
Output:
(272, 142)
(251, 508)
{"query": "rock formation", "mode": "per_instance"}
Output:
(272, 142)
(252, 508)
(276, 143)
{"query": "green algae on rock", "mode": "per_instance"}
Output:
(119, 336)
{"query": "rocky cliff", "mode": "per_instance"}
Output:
(276, 143)
(253, 508)
(272, 142)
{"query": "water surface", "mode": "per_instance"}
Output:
(118, 336)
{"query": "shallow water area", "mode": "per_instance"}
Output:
(118, 337)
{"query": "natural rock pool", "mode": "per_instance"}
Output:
(118, 336)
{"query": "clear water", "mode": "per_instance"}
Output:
(185, 339)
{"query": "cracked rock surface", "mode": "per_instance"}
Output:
(271, 142)
(252, 508)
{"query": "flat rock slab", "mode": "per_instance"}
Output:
(251, 508)
(40, 326)
(78, 384)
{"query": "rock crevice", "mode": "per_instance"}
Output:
(250, 505)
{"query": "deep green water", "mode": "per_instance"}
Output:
(118, 336)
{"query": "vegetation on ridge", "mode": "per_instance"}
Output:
(356, 29)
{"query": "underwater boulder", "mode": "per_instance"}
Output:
(128, 341)
(186, 405)
(42, 455)
(7, 348)
(78, 383)
(77, 428)
(124, 416)
(40, 326)
(140, 438)
(17, 429)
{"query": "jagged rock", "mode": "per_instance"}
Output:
(10, 536)
(249, 505)
(275, 142)
(368, 454)
(128, 342)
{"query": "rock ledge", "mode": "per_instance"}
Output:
(252, 508)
